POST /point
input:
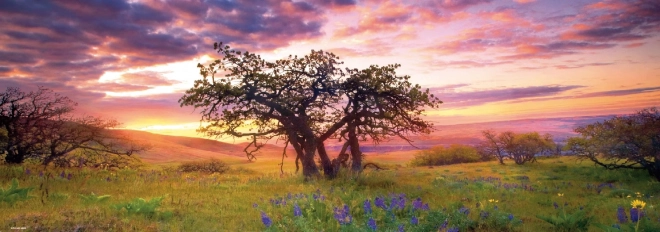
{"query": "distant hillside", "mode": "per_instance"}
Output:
(559, 128)
(167, 148)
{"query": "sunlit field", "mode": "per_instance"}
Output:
(258, 197)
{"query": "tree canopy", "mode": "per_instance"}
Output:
(520, 147)
(631, 141)
(306, 101)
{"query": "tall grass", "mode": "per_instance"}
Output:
(235, 200)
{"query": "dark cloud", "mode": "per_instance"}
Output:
(472, 63)
(480, 97)
(572, 66)
(610, 93)
(75, 42)
(622, 92)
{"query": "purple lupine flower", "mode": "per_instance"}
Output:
(453, 229)
(68, 177)
(288, 196)
(621, 215)
(394, 203)
(401, 229)
(402, 201)
(254, 205)
(367, 206)
(372, 224)
(510, 217)
(414, 220)
(417, 204)
(426, 207)
(265, 219)
(296, 210)
(555, 205)
(464, 210)
(380, 203)
(41, 173)
(635, 214)
(27, 172)
(322, 197)
(62, 174)
(444, 225)
(342, 215)
(484, 214)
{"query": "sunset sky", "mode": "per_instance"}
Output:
(488, 60)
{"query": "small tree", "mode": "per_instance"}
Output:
(519, 147)
(631, 141)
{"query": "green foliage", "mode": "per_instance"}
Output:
(440, 155)
(207, 166)
(562, 221)
(630, 142)
(93, 198)
(13, 193)
(621, 193)
(140, 206)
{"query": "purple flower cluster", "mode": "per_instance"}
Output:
(636, 214)
(296, 210)
(464, 210)
(372, 224)
(380, 203)
(621, 215)
(367, 206)
(398, 201)
(414, 220)
(265, 219)
(343, 215)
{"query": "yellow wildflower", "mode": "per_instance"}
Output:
(638, 204)
(560, 194)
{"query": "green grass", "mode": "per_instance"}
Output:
(96, 200)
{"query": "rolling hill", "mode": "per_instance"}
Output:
(168, 148)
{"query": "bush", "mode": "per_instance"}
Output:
(207, 166)
(440, 155)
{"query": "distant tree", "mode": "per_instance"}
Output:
(39, 125)
(305, 101)
(631, 141)
(527, 146)
(521, 147)
(493, 145)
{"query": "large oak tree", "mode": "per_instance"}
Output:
(305, 101)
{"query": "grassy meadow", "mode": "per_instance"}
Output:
(468, 197)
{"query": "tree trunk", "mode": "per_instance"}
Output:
(356, 155)
(654, 169)
(309, 166)
(14, 157)
(328, 170)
